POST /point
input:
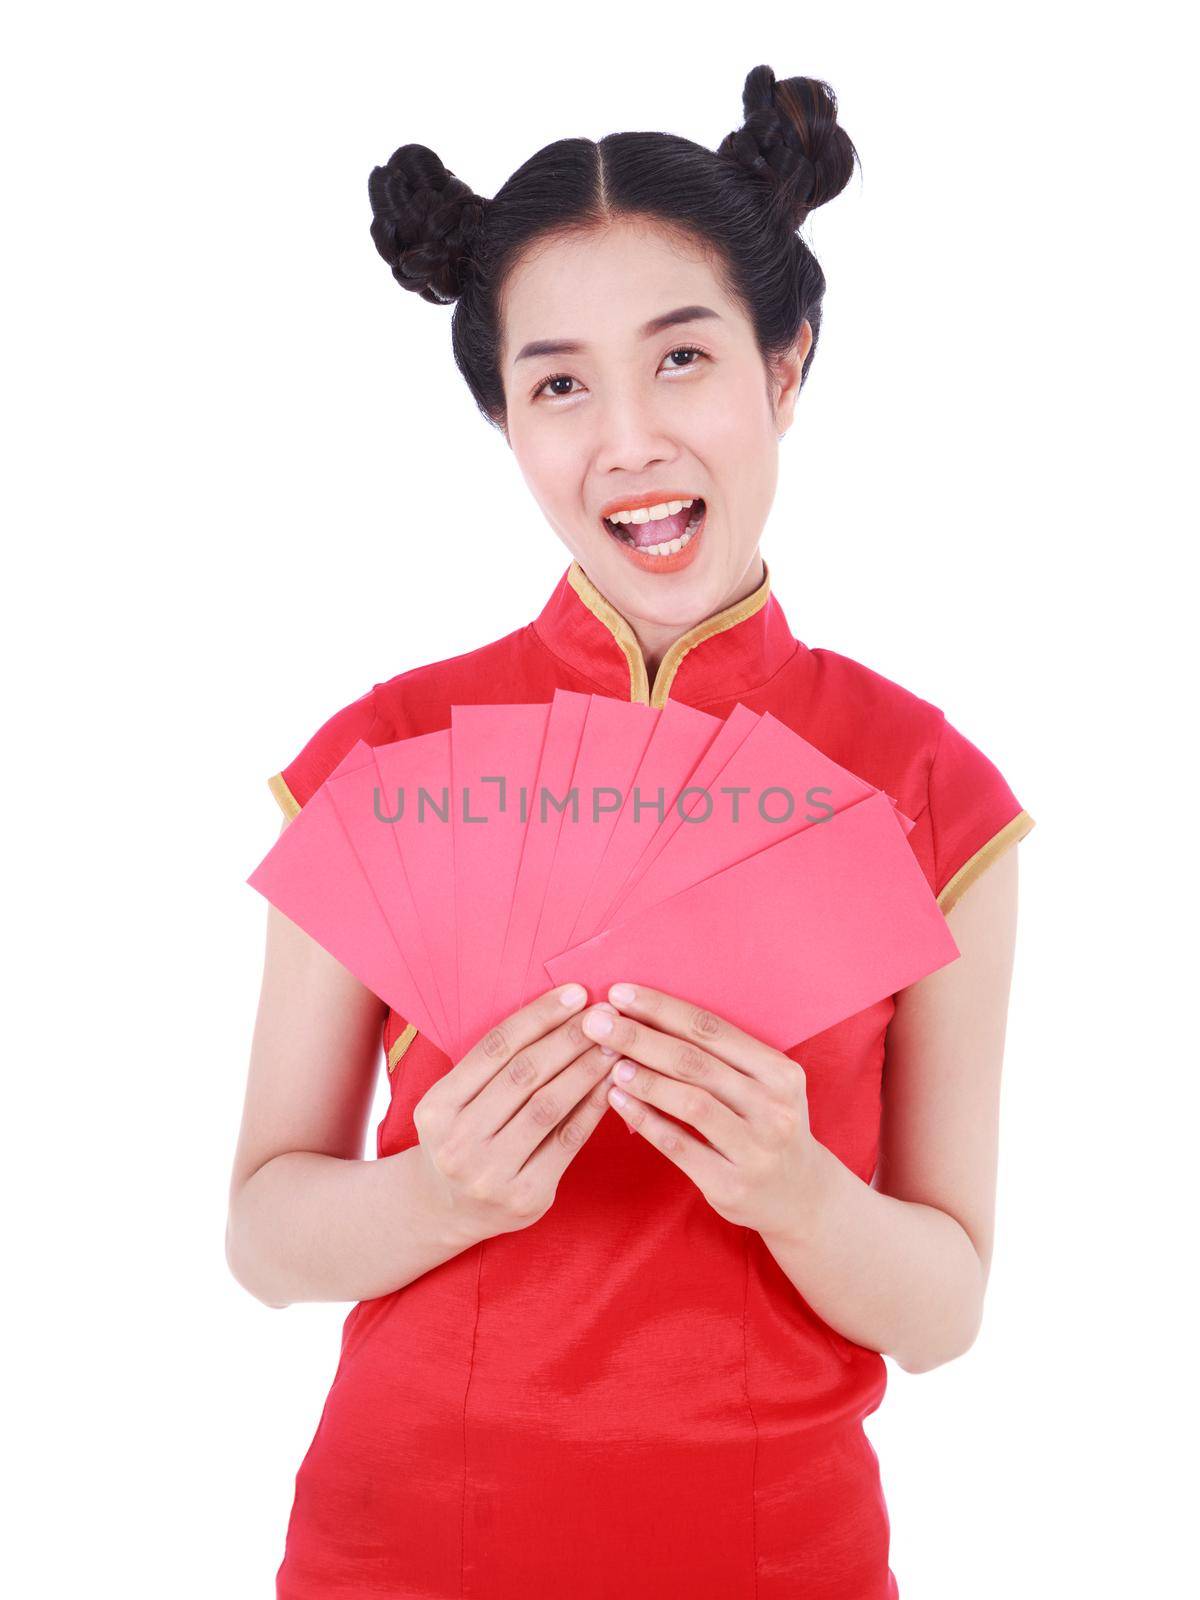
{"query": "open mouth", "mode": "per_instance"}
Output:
(664, 535)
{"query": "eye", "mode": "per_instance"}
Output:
(554, 377)
(565, 377)
(687, 350)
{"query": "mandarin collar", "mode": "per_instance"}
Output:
(727, 654)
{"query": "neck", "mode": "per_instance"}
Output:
(656, 638)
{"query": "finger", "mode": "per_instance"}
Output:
(556, 1152)
(528, 1077)
(509, 1036)
(677, 1058)
(542, 1110)
(695, 1024)
(725, 1130)
(706, 1168)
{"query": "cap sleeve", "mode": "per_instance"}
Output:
(973, 815)
(294, 784)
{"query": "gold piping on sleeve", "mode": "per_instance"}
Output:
(622, 632)
(288, 803)
(962, 880)
(401, 1044)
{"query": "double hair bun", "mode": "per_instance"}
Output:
(426, 223)
(790, 143)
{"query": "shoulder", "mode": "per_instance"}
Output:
(858, 690)
(965, 811)
(971, 815)
(412, 702)
(419, 700)
(866, 722)
(294, 784)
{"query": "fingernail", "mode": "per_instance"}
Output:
(598, 1023)
(623, 994)
(573, 995)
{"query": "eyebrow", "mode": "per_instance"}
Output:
(568, 347)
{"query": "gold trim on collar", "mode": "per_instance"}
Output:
(288, 803)
(616, 624)
(400, 1045)
(639, 689)
(983, 857)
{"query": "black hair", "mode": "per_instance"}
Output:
(741, 203)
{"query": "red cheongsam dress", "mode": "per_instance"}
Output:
(629, 1398)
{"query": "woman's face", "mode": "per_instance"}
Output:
(640, 413)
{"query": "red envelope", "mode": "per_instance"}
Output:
(564, 729)
(359, 794)
(613, 742)
(312, 874)
(680, 738)
(495, 753)
(790, 941)
(420, 769)
(774, 784)
(452, 896)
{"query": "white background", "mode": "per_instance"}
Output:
(246, 481)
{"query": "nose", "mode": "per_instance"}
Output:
(630, 434)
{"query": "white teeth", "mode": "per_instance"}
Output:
(693, 523)
(666, 508)
(668, 549)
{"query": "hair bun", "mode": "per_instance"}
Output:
(426, 223)
(791, 143)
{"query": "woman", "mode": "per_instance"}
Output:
(582, 1364)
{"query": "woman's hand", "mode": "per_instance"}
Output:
(500, 1128)
(747, 1099)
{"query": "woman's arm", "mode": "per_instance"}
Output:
(309, 1219)
(901, 1267)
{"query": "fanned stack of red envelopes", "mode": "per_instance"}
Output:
(460, 874)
